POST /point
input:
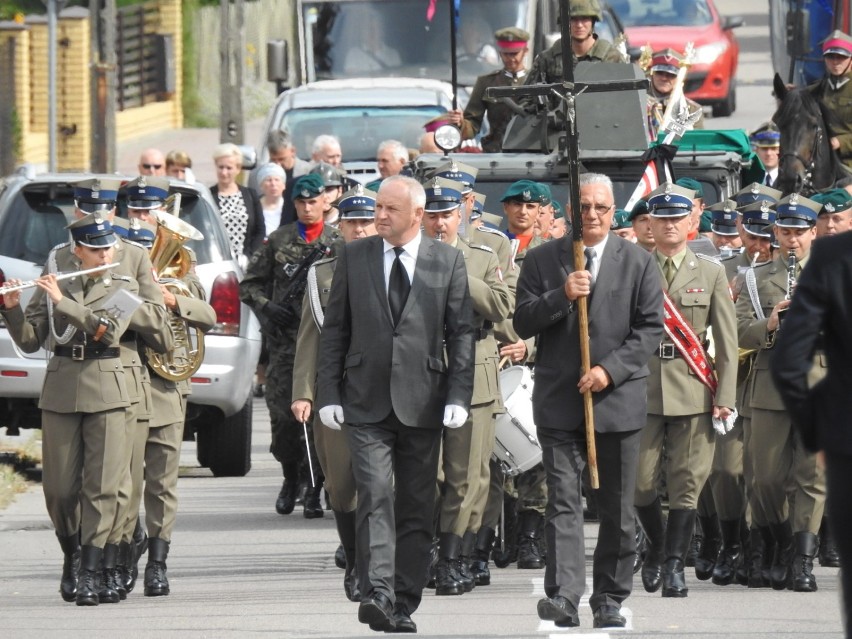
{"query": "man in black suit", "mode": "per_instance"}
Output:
(819, 317)
(622, 283)
(398, 300)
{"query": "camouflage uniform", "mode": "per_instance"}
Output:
(547, 67)
(267, 280)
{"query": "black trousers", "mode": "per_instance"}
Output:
(838, 470)
(395, 469)
(564, 456)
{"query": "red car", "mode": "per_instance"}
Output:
(674, 23)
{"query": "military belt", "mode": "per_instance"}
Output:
(80, 352)
(668, 351)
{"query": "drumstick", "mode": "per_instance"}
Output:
(503, 361)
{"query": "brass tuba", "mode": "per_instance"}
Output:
(172, 261)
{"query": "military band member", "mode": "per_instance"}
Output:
(723, 226)
(512, 46)
(467, 450)
(264, 288)
(150, 321)
(685, 394)
(766, 141)
(357, 220)
(779, 460)
(83, 400)
(160, 452)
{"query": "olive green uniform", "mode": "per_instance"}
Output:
(266, 280)
(150, 322)
(467, 450)
(83, 403)
(331, 447)
(779, 460)
(679, 405)
(839, 102)
(657, 104)
(498, 113)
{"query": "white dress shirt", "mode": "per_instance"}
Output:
(408, 257)
(598, 249)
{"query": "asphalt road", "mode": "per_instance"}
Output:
(237, 569)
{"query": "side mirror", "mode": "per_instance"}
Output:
(278, 64)
(798, 33)
(249, 156)
(732, 22)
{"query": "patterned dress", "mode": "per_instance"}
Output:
(235, 217)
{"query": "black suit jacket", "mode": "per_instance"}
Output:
(370, 367)
(625, 327)
(820, 314)
(256, 229)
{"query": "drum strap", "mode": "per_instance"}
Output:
(314, 298)
(684, 338)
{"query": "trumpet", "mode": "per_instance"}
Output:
(59, 276)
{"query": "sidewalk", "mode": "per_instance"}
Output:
(199, 143)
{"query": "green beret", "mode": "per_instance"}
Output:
(621, 220)
(833, 201)
(694, 185)
(544, 194)
(522, 191)
(558, 213)
(706, 223)
(307, 187)
(640, 208)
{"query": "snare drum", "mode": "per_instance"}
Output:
(516, 446)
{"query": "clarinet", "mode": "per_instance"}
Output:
(791, 281)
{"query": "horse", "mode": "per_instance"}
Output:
(807, 163)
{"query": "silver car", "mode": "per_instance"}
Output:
(34, 210)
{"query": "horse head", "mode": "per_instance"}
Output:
(807, 163)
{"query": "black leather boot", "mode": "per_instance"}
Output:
(828, 555)
(463, 562)
(745, 542)
(122, 569)
(346, 531)
(779, 574)
(156, 582)
(641, 548)
(108, 591)
(695, 543)
(803, 562)
(651, 518)
(286, 501)
(313, 507)
(769, 552)
(70, 565)
(481, 552)
(340, 557)
(709, 553)
(87, 579)
(138, 547)
(755, 559)
(446, 579)
(731, 554)
(529, 551)
(678, 534)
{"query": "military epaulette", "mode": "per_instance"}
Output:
(488, 229)
(132, 243)
(325, 260)
(123, 278)
(482, 247)
(60, 246)
(709, 258)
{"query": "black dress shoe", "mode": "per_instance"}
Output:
(313, 507)
(340, 557)
(558, 610)
(402, 620)
(377, 612)
(608, 616)
(286, 501)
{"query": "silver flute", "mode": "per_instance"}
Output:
(59, 276)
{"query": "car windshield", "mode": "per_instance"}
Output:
(662, 13)
(405, 38)
(359, 129)
(38, 214)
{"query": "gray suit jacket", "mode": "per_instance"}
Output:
(625, 327)
(370, 367)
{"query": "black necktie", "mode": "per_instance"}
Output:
(591, 254)
(398, 286)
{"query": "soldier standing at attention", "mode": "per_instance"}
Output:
(834, 91)
(83, 401)
(264, 288)
(685, 395)
(779, 460)
(512, 45)
(357, 220)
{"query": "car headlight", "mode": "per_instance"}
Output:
(708, 53)
(447, 137)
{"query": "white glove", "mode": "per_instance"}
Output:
(454, 416)
(332, 416)
(724, 426)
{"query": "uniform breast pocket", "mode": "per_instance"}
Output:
(695, 307)
(113, 386)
